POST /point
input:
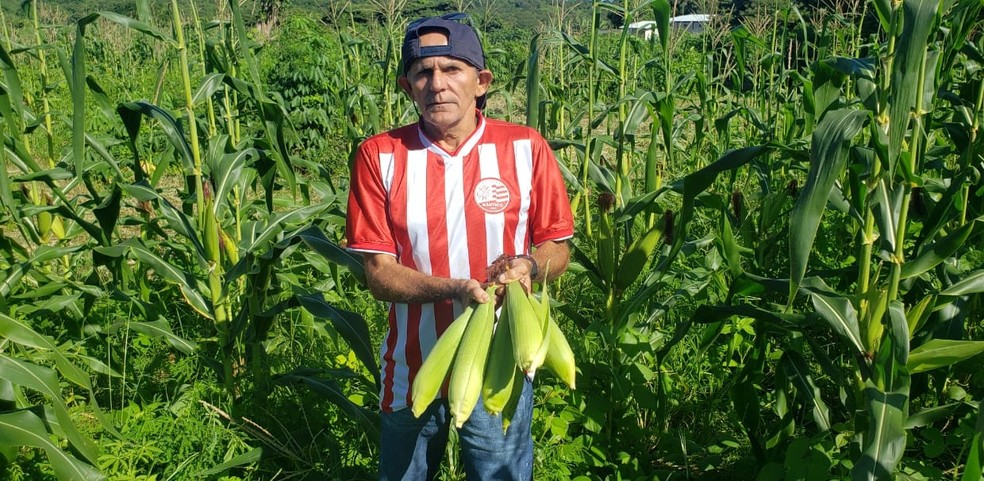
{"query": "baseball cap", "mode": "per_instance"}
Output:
(463, 42)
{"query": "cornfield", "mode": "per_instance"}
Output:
(777, 271)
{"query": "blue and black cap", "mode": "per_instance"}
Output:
(463, 42)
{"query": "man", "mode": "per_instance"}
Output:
(431, 206)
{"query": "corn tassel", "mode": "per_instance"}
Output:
(500, 370)
(430, 377)
(469, 362)
(524, 324)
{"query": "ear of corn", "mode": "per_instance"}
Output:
(527, 335)
(500, 369)
(469, 362)
(542, 308)
(430, 377)
(519, 379)
(560, 357)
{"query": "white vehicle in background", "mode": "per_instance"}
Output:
(693, 23)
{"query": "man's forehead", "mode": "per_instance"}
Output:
(433, 37)
(442, 61)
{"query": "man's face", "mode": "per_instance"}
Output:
(445, 89)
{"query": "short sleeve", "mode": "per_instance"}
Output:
(551, 218)
(367, 224)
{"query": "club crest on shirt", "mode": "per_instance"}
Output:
(492, 195)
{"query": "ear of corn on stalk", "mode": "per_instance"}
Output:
(469, 362)
(430, 377)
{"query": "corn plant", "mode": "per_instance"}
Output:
(220, 249)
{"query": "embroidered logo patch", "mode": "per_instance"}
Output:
(492, 195)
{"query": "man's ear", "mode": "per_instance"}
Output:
(484, 81)
(403, 83)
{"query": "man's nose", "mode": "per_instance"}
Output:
(437, 81)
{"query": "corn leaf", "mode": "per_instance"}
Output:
(919, 20)
(937, 353)
(828, 158)
(970, 284)
(350, 325)
(249, 457)
(533, 84)
(365, 418)
(20, 333)
(797, 369)
(173, 275)
(45, 381)
(159, 328)
(24, 428)
(885, 439)
(933, 255)
(841, 315)
(974, 468)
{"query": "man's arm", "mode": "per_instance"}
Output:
(390, 281)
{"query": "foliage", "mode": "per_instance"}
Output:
(776, 269)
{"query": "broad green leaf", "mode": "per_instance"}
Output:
(276, 225)
(45, 381)
(173, 275)
(226, 170)
(350, 325)
(139, 26)
(661, 12)
(315, 239)
(533, 83)
(208, 86)
(159, 328)
(975, 452)
(918, 22)
(797, 369)
(141, 191)
(970, 284)
(933, 255)
(937, 353)
(45, 175)
(20, 333)
(931, 415)
(249, 457)
(841, 315)
(898, 329)
(887, 206)
(884, 442)
(975, 459)
(368, 420)
(828, 158)
(696, 183)
(167, 122)
(24, 428)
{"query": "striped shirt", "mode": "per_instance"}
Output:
(449, 215)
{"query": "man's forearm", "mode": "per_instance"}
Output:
(551, 258)
(390, 281)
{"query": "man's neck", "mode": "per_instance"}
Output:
(451, 138)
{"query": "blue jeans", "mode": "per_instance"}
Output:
(412, 448)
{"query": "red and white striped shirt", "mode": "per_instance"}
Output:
(449, 215)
